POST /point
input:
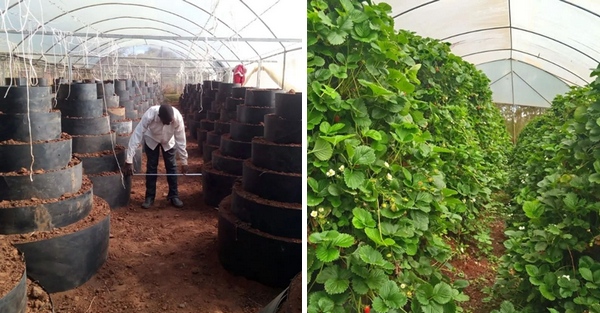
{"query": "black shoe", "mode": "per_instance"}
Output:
(148, 203)
(176, 202)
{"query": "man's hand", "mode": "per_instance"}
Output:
(128, 169)
(184, 169)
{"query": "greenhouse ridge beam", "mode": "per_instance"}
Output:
(130, 36)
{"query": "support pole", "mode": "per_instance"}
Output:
(283, 76)
(258, 73)
(512, 88)
(70, 73)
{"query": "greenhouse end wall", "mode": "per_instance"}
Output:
(516, 117)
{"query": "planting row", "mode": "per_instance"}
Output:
(58, 181)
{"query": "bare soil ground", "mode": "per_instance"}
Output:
(165, 259)
(480, 270)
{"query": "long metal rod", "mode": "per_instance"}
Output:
(145, 58)
(70, 74)
(162, 174)
(158, 66)
(155, 37)
(258, 73)
(283, 76)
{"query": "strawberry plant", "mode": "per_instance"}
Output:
(387, 182)
(534, 154)
(551, 262)
(462, 118)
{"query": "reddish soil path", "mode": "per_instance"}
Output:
(479, 270)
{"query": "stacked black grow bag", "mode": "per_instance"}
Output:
(143, 97)
(213, 112)
(149, 97)
(228, 113)
(13, 300)
(192, 97)
(124, 89)
(136, 95)
(203, 95)
(106, 91)
(119, 123)
(83, 117)
(130, 113)
(47, 206)
(159, 97)
(186, 100)
(226, 162)
(57, 82)
(200, 120)
(260, 222)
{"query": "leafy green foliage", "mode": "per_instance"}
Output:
(458, 111)
(534, 154)
(553, 236)
(387, 181)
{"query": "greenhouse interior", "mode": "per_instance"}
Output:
(453, 158)
(92, 219)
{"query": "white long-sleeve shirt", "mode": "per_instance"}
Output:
(154, 132)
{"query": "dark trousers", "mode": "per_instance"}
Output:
(152, 168)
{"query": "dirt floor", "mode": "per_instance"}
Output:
(165, 259)
(480, 270)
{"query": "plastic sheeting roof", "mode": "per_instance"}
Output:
(224, 30)
(556, 37)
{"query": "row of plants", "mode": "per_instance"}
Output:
(405, 147)
(552, 258)
(457, 103)
(533, 156)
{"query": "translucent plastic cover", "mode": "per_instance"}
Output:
(555, 37)
(224, 30)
